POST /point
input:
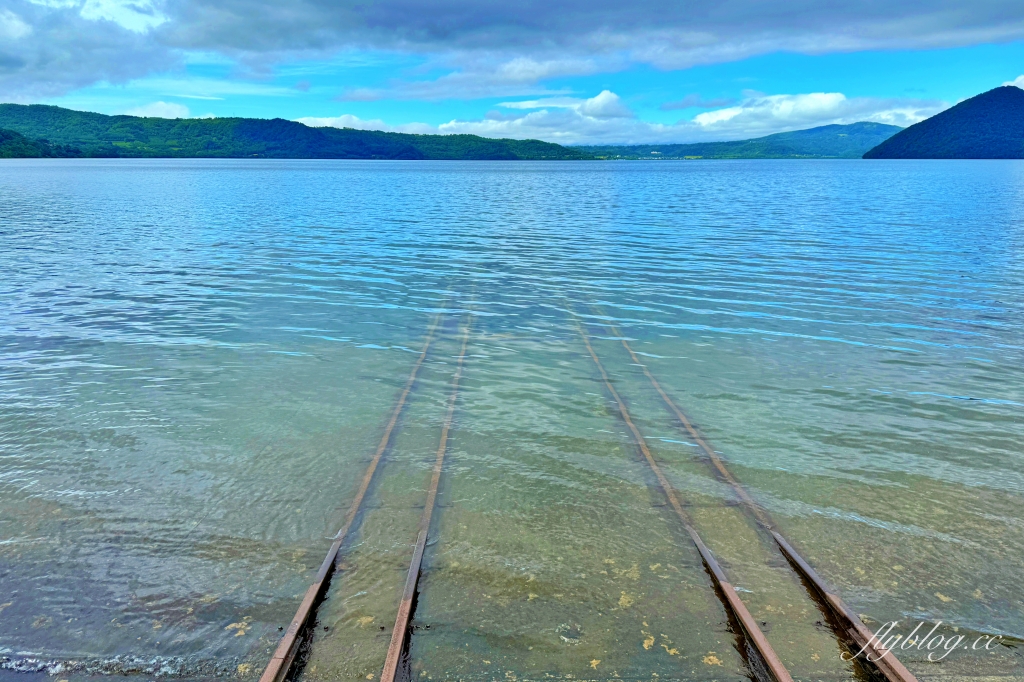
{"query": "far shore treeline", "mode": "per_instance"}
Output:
(56, 132)
(824, 142)
(988, 126)
(48, 131)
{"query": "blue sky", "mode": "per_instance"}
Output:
(555, 71)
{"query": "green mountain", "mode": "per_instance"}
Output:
(988, 126)
(16, 146)
(96, 135)
(824, 142)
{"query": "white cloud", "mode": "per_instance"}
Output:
(604, 119)
(13, 27)
(477, 75)
(695, 101)
(665, 34)
(47, 47)
(774, 108)
(160, 110)
(350, 121)
(202, 88)
(756, 116)
(567, 126)
(769, 114)
(362, 95)
(791, 112)
(529, 70)
(56, 4)
(605, 105)
(1017, 82)
(138, 16)
(484, 48)
(545, 103)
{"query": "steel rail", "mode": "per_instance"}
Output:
(878, 655)
(284, 656)
(733, 602)
(400, 632)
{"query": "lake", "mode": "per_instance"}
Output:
(198, 359)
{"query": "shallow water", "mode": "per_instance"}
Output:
(198, 358)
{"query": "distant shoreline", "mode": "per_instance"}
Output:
(42, 131)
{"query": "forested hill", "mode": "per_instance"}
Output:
(825, 142)
(65, 132)
(16, 146)
(987, 126)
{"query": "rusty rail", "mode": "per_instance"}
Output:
(878, 655)
(281, 662)
(733, 602)
(401, 629)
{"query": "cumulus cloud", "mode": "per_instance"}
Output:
(1017, 82)
(160, 110)
(604, 119)
(772, 113)
(560, 120)
(488, 47)
(606, 105)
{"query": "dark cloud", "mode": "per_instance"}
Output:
(671, 31)
(491, 45)
(10, 63)
(51, 49)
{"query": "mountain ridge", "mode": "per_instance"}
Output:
(986, 126)
(90, 134)
(833, 141)
(50, 131)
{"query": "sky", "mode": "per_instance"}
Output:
(567, 71)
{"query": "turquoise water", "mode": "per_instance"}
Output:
(198, 359)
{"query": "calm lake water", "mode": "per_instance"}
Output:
(198, 359)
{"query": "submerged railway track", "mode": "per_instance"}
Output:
(848, 627)
(281, 662)
(766, 663)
